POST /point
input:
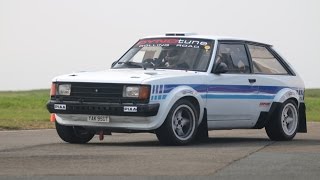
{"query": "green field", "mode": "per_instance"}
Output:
(24, 110)
(312, 99)
(27, 109)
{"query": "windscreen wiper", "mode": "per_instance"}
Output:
(132, 64)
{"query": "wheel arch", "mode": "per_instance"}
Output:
(285, 94)
(182, 92)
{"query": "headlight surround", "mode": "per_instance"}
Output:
(136, 91)
(64, 89)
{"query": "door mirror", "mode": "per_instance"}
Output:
(221, 68)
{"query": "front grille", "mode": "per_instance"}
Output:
(97, 92)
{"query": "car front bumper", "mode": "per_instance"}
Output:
(145, 117)
(114, 109)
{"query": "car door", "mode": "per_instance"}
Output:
(231, 96)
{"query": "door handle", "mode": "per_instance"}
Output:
(252, 80)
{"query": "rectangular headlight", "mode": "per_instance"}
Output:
(64, 89)
(136, 91)
(131, 91)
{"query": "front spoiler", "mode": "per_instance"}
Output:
(70, 107)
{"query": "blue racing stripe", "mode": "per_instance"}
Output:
(270, 89)
(161, 87)
(164, 96)
(226, 88)
(159, 92)
(236, 96)
(197, 87)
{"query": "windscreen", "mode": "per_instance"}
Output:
(168, 53)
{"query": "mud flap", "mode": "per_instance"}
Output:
(302, 119)
(202, 133)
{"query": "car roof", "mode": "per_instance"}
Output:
(196, 36)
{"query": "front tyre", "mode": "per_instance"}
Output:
(284, 123)
(180, 126)
(73, 134)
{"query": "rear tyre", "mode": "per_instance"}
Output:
(284, 122)
(73, 134)
(180, 126)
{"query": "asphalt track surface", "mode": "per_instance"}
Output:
(229, 154)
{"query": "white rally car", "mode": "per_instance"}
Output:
(179, 86)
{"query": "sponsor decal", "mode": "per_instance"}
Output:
(190, 43)
(187, 92)
(207, 47)
(185, 43)
(130, 109)
(158, 41)
(300, 91)
(264, 104)
(60, 107)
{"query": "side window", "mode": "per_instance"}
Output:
(235, 57)
(264, 62)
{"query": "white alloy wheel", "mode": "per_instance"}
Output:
(289, 119)
(183, 122)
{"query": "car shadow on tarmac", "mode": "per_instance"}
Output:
(212, 141)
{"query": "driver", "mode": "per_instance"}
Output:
(169, 60)
(173, 60)
(171, 57)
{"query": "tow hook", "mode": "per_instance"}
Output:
(101, 135)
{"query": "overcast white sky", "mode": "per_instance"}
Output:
(40, 39)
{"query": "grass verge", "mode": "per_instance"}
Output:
(24, 110)
(312, 99)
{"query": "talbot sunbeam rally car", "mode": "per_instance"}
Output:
(179, 86)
